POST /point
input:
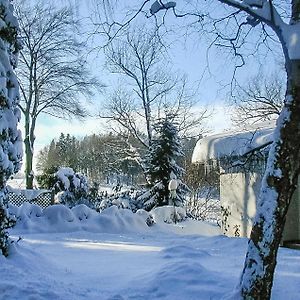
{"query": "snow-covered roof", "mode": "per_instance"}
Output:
(231, 144)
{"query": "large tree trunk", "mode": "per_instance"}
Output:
(279, 184)
(28, 142)
(28, 169)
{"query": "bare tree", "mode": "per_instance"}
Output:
(234, 23)
(148, 90)
(54, 78)
(261, 99)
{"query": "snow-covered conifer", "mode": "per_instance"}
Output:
(10, 137)
(74, 185)
(162, 167)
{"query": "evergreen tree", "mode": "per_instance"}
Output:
(162, 167)
(10, 137)
(97, 156)
(47, 179)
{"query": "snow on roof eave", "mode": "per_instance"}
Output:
(231, 144)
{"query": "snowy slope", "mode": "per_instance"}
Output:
(125, 260)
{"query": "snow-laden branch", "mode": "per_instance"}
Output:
(158, 5)
(264, 11)
(259, 11)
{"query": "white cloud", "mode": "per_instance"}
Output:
(220, 119)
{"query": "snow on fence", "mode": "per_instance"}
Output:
(43, 198)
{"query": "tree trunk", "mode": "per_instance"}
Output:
(28, 142)
(28, 170)
(278, 186)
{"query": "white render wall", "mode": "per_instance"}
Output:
(239, 193)
(292, 225)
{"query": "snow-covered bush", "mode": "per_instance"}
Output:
(10, 136)
(204, 210)
(205, 205)
(146, 215)
(83, 212)
(59, 218)
(122, 200)
(47, 179)
(168, 214)
(105, 203)
(74, 186)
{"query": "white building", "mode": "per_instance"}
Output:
(242, 159)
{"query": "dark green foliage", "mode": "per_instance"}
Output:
(48, 179)
(63, 152)
(6, 222)
(162, 167)
(94, 190)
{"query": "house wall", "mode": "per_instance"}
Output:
(239, 193)
(292, 225)
(238, 197)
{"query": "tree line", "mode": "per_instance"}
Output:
(106, 158)
(101, 157)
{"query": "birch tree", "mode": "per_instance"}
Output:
(10, 137)
(272, 20)
(53, 74)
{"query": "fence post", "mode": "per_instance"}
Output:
(52, 197)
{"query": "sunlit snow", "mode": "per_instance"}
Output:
(114, 255)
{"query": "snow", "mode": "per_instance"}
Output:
(165, 214)
(120, 258)
(29, 194)
(62, 174)
(59, 218)
(231, 143)
(157, 6)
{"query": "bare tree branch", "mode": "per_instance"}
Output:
(53, 75)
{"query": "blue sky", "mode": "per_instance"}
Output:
(189, 56)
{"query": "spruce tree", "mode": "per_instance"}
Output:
(10, 137)
(161, 167)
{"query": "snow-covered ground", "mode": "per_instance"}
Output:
(78, 254)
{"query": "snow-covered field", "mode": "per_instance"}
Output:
(78, 254)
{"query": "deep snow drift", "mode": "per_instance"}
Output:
(80, 254)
